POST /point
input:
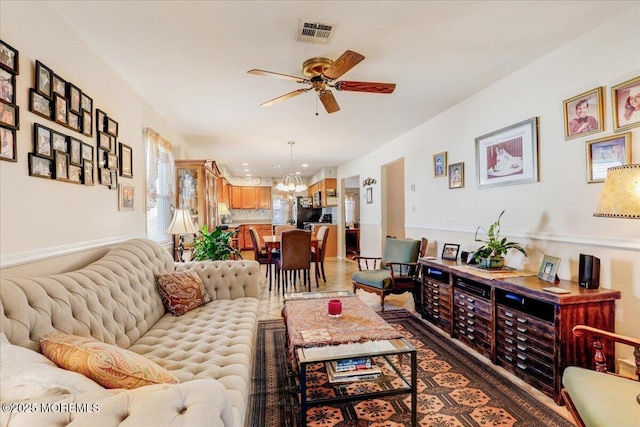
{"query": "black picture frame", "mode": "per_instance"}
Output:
(87, 123)
(60, 110)
(114, 180)
(40, 167)
(74, 94)
(102, 158)
(42, 143)
(39, 104)
(100, 120)
(9, 115)
(43, 78)
(9, 58)
(61, 166)
(87, 152)
(59, 142)
(105, 176)
(125, 157)
(74, 173)
(111, 127)
(7, 86)
(75, 152)
(86, 102)
(73, 121)
(104, 141)
(8, 145)
(112, 161)
(87, 173)
(450, 251)
(58, 85)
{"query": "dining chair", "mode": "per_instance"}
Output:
(295, 255)
(277, 231)
(262, 256)
(318, 254)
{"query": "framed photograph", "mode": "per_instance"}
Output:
(39, 105)
(126, 161)
(104, 141)
(39, 167)
(61, 109)
(112, 161)
(74, 98)
(87, 173)
(42, 141)
(626, 104)
(105, 176)
(87, 152)
(369, 195)
(73, 121)
(58, 85)
(113, 146)
(7, 87)
(125, 197)
(583, 114)
(61, 163)
(508, 156)
(112, 127)
(86, 103)
(8, 144)
(102, 158)
(456, 175)
(59, 142)
(75, 174)
(440, 165)
(450, 251)
(43, 79)
(75, 152)
(9, 58)
(100, 120)
(548, 268)
(603, 153)
(114, 180)
(9, 115)
(87, 123)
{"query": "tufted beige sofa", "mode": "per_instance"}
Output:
(115, 299)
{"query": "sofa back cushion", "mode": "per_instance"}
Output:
(114, 299)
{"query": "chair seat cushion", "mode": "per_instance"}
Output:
(379, 278)
(601, 399)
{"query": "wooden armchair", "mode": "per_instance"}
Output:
(395, 272)
(598, 398)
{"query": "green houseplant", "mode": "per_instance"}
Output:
(214, 245)
(491, 254)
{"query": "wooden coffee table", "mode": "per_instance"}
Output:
(314, 337)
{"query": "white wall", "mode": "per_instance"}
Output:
(46, 217)
(552, 216)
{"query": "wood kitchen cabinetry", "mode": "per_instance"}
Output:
(514, 322)
(328, 192)
(244, 238)
(224, 191)
(243, 197)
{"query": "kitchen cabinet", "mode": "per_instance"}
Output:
(248, 197)
(244, 238)
(224, 191)
(236, 197)
(326, 187)
(263, 197)
(244, 197)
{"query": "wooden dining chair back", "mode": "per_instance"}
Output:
(319, 253)
(295, 255)
(262, 256)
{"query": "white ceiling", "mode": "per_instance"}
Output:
(189, 60)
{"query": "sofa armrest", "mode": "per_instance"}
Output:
(227, 279)
(194, 403)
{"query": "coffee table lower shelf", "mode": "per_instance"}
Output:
(388, 352)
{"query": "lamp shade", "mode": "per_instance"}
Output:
(223, 209)
(181, 223)
(620, 196)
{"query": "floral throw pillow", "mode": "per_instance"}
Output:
(182, 291)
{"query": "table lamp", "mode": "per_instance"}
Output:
(620, 197)
(223, 211)
(181, 224)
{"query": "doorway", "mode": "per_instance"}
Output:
(393, 212)
(352, 216)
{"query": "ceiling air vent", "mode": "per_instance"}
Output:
(314, 32)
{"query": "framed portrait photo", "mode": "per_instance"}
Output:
(626, 104)
(75, 174)
(450, 251)
(7, 87)
(126, 160)
(87, 173)
(112, 161)
(75, 152)
(60, 109)
(9, 58)
(456, 175)
(43, 79)
(73, 121)
(39, 104)
(42, 141)
(583, 114)
(105, 176)
(548, 268)
(59, 142)
(86, 102)
(40, 167)
(125, 197)
(369, 195)
(74, 98)
(87, 152)
(440, 165)
(58, 85)
(603, 153)
(509, 155)
(111, 127)
(100, 117)
(87, 123)
(9, 115)
(104, 141)
(61, 166)
(8, 144)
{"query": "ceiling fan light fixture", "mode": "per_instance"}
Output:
(291, 182)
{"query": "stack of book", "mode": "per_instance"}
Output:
(347, 370)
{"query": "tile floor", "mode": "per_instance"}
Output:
(338, 274)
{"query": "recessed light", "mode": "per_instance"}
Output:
(275, 166)
(245, 164)
(247, 170)
(248, 174)
(304, 165)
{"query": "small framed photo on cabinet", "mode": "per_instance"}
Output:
(450, 251)
(549, 268)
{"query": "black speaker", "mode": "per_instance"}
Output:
(589, 273)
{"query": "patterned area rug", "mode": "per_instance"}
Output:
(454, 389)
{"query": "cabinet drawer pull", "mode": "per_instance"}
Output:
(522, 356)
(436, 309)
(471, 338)
(508, 357)
(521, 366)
(471, 307)
(521, 338)
(471, 322)
(508, 322)
(436, 298)
(436, 316)
(508, 314)
(509, 340)
(521, 329)
(470, 329)
(461, 317)
(471, 300)
(509, 349)
(462, 332)
(509, 331)
(471, 315)
(522, 347)
(522, 320)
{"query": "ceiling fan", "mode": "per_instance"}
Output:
(320, 74)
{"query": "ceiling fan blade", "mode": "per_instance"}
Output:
(370, 87)
(329, 102)
(283, 97)
(257, 72)
(347, 61)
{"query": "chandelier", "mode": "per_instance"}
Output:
(291, 182)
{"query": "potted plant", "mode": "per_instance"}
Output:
(215, 245)
(491, 254)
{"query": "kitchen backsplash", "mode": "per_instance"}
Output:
(238, 215)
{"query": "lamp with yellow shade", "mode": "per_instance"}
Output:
(223, 212)
(181, 224)
(620, 197)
